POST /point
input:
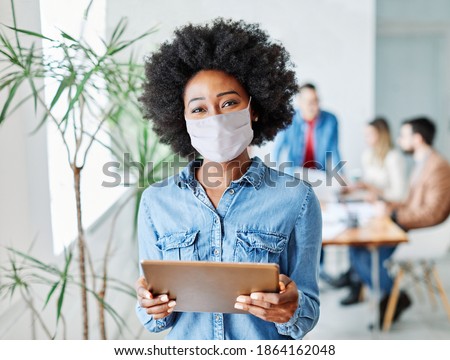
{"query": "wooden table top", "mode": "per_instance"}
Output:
(379, 231)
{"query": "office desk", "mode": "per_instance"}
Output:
(375, 232)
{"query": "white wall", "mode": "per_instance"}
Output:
(24, 192)
(413, 56)
(332, 42)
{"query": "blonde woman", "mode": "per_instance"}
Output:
(384, 179)
(383, 165)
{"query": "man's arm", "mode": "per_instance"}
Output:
(279, 146)
(334, 142)
(435, 207)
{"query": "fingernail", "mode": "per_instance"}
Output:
(169, 310)
(164, 298)
(148, 296)
(255, 296)
(240, 299)
(171, 304)
(238, 306)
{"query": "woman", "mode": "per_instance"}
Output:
(383, 165)
(214, 90)
(384, 179)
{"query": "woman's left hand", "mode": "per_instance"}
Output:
(274, 307)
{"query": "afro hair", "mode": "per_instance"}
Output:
(242, 50)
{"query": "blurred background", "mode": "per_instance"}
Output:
(367, 58)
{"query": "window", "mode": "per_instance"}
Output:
(95, 199)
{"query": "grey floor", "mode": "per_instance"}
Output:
(421, 321)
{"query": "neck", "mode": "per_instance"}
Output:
(421, 152)
(219, 175)
(309, 119)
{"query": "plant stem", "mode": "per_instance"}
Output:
(102, 291)
(36, 313)
(81, 248)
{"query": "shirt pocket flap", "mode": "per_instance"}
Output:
(177, 240)
(256, 239)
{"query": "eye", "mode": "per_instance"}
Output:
(229, 103)
(197, 110)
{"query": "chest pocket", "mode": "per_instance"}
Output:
(259, 246)
(179, 246)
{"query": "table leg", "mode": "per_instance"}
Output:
(376, 293)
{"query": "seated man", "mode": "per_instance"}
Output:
(427, 204)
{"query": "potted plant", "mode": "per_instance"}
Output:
(83, 75)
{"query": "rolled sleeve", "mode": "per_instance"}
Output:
(151, 324)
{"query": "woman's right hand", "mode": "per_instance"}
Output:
(158, 307)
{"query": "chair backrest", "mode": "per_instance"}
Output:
(425, 244)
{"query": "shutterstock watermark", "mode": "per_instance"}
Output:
(122, 173)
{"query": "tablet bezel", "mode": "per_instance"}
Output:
(203, 286)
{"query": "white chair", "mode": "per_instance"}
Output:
(424, 247)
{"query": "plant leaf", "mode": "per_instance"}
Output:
(86, 12)
(123, 45)
(52, 290)
(35, 93)
(118, 31)
(28, 32)
(14, 58)
(63, 84)
(7, 55)
(11, 95)
(40, 264)
(69, 256)
(67, 36)
(78, 93)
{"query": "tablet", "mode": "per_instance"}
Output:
(203, 286)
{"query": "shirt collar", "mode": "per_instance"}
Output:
(254, 174)
(298, 117)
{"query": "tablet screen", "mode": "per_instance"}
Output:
(201, 286)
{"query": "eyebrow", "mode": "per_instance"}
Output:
(195, 99)
(218, 95)
(227, 93)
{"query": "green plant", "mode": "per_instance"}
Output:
(83, 76)
(24, 273)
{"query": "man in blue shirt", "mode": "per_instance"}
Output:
(311, 141)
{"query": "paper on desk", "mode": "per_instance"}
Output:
(364, 211)
(331, 230)
(335, 217)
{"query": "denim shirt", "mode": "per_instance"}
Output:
(290, 143)
(265, 216)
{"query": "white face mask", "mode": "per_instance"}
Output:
(221, 137)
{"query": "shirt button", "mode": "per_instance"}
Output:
(232, 191)
(216, 252)
(217, 317)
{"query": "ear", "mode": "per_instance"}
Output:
(418, 139)
(254, 116)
